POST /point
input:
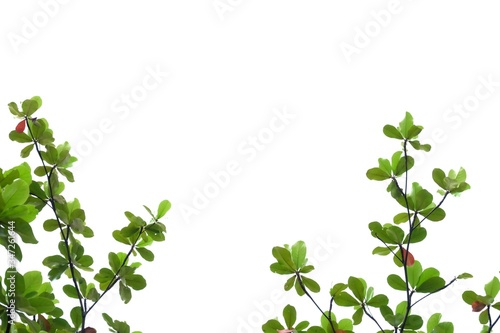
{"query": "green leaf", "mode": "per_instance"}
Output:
(315, 329)
(56, 272)
(310, 284)
(377, 301)
(432, 214)
(377, 174)
(404, 165)
(125, 293)
(396, 234)
(146, 254)
(382, 250)
(299, 254)
(290, 282)
(414, 322)
(54, 261)
(414, 272)
(405, 125)
(290, 315)
(135, 281)
(25, 152)
(433, 321)
(345, 324)
(41, 304)
(32, 281)
(392, 132)
(50, 225)
(14, 110)
(438, 176)
(414, 131)
(357, 316)
(67, 174)
(400, 218)
(298, 288)
(15, 194)
(29, 106)
(357, 287)
(117, 235)
(271, 326)
(149, 211)
(396, 282)
(483, 317)
(427, 274)
(464, 276)
(338, 287)
(76, 316)
(301, 326)
(385, 166)
(444, 327)
(163, 208)
(24, 230)
(418, 146)
(284, 257)
(431, 285)
(307, 269)
(280, 269)
(345, 299)
(417, 235)
(70, 291)
(85, 261)
(492, 288)
(114, 262)
(19, 137)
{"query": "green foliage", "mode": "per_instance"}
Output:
(408, 227)
(29, 188)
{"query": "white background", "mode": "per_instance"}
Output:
(230, 69)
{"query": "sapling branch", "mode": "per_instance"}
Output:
(435, 291)
(492, 323)
(367, 311)
(433, 209)
(301, 283)
(116, 277)
(49, 175)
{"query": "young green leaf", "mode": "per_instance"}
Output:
(357, 287)
(290, 315)
(299, 254)
(163, 208)
(492, 288)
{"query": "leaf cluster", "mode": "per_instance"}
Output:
(24, 192)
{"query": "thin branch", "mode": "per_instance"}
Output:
(53, 206)
(368, 313)
(435, 291)
(116, 278)
(314, 302)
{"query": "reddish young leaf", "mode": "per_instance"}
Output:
(477, 306)
(411, 259)
(21, 126)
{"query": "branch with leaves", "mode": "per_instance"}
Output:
(416, 282)
(27, 303)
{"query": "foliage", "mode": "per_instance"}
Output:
(408, 226)
(28, 302)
